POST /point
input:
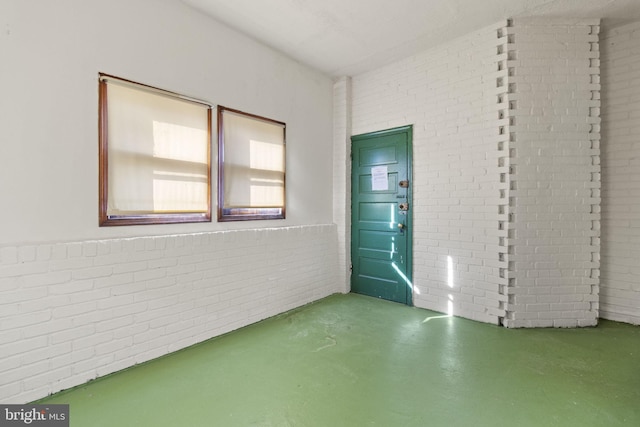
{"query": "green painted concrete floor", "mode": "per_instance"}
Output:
(351, 360)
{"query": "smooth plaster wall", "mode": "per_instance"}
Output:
(52, 53)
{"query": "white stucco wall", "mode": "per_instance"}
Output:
(52, 53)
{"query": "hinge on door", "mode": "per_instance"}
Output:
(351, 268)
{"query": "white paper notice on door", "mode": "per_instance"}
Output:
(379, 180)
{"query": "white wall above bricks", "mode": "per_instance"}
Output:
(620, 280)
(49, 107)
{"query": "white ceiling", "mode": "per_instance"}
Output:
(348, 37)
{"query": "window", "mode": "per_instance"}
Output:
(251, 167)
(154, 155)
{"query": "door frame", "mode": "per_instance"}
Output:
(408, 129)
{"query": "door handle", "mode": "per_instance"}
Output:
(401, 226)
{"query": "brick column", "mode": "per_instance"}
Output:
(555, 174)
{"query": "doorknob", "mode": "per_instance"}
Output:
(401, 226)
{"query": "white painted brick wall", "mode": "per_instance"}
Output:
(506, 161)
(620, 287)
(70, 312)
(342, 175)
(449, 95)
(554, 177)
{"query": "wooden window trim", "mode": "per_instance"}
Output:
(103, 167)
(246, 214)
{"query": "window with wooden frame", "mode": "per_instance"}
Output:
(251, 166)
(154, 154)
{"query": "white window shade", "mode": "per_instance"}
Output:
(253, 162)
(158, 152)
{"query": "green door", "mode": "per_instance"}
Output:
(381, 214)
